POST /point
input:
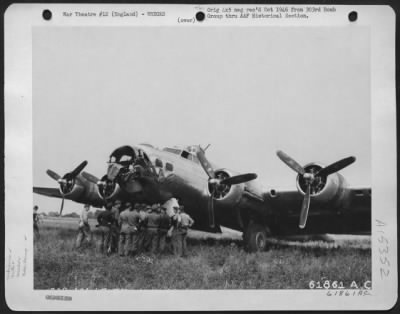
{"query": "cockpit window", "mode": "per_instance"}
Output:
(172, 150)
(185, 154)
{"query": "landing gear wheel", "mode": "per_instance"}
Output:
(255, 237)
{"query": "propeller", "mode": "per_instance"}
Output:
(90, 177)
(217, 184)
(312, 178)
(62, 206)
(67, 181)
(53, 175)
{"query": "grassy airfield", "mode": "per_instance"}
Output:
(213, 262)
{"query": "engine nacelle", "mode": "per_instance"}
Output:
(108, 189)
(71, 188)
(226, 194)
(324, 189)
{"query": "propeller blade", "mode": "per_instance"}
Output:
(205, 164)
(62, 206)
(53, 175)
(211, 218)
(304, 208)
(290, 162)
(336, 166)
(78, 169)
(90, 177)
(242, 178)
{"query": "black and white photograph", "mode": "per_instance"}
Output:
(218, 149)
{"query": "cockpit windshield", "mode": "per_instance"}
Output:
(187, 154)
(175, 151)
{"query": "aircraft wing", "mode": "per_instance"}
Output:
(355, 198)
(51, 192)
(348, 213)
(90, 198)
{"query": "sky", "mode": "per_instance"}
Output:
(247, 91)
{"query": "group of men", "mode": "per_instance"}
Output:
(133, 229)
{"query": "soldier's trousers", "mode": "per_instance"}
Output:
(105, 239)
(151, 242)
(142, 235)
(83, 233)
(179, 242)
(114, 238)
(162, 241)
(128, 243)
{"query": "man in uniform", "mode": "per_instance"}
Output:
(180, 224)
(186, 223)
(142, 227)
(153, 222)
(163, 227)
(123, 231)
(36, 222)
(84, 228)
(106, 220)
(115, 228)
(133, 236)
(129, 222)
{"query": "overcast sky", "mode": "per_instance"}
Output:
(247, 91)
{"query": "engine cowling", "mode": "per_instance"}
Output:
(108, 189)
(324, 188)
(71, 187)
(223, 193)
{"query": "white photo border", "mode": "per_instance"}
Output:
(20, 295)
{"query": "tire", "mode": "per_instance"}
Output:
(256, 237)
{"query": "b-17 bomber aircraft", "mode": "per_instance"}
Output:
(214, 196)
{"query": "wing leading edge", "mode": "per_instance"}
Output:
(51, 192)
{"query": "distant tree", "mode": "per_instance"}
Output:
(53, 214)
(71, 215)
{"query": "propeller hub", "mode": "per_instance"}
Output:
(312, 179)
(309, 177)
(214, 181)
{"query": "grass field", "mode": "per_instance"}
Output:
(213, 262)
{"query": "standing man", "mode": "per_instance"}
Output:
(180, 224)
(115, 228)
(153, 222)
(84, 228)
(163, 227)
(36, 233)
(106, 221)
(186, 223)
(124, 226)
(133, 235)
(174, 232)
(129, 221)
(142, 227)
